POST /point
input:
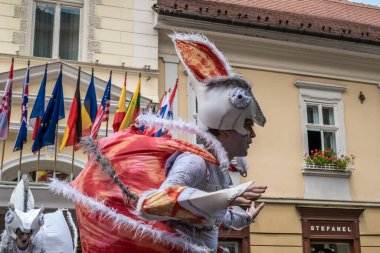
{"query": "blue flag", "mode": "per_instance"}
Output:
(23, 132)
(90, 99)
(89, 108)
(54, 111)
(38, 108)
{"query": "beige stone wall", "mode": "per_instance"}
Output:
(277, 229)
(11, 22)
(370, 230)
(123, 32)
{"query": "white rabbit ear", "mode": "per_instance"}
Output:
(22, 197)
(200, 56)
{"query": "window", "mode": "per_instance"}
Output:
(57, 30)
(321, 127)
(322, 116)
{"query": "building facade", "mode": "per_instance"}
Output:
(315, 68)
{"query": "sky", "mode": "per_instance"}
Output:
(371, 2)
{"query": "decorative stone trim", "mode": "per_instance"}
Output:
(93, 23)
(320, 86)
(19, 37)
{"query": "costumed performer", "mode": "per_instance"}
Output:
(145, 194)
(28, 230)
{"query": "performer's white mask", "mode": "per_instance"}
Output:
(225, 100)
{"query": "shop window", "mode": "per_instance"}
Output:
(235, 241)
(57, 29)
(322, 116)
(330, 247)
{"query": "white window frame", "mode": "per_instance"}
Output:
(57, 18)
(322, 94)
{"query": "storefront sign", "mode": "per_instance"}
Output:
(326, 228)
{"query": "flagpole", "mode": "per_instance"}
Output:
(108, 109)
(38, 165)
(39, 151)
(56, 145)
(92, 73)
(2, 161)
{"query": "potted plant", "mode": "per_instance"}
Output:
(328, 159)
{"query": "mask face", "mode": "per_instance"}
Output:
(22, 239)
(248, 125)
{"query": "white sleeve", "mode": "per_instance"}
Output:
(236, 218)
(187, 170)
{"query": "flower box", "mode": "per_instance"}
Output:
(328, 160)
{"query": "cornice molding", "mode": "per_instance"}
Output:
(290, 58)
(320, 86)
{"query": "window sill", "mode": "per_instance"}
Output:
(322, 172)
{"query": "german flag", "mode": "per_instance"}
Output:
(73, 129)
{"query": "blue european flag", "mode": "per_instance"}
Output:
(55, 111)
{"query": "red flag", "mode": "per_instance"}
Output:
(5, 107)
(121, 111)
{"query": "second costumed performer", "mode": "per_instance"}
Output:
(145, 194)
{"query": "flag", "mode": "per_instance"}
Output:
(5, 107)
(38, 108)
(103, 111)
(89, 108)
(133, 108)
(120, 112)
(167, 109)
(23, 132)
(164, 106)
(55, 111)
(73, 129)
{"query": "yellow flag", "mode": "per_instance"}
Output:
(133, 108)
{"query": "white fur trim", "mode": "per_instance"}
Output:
(120, 221)
(73, 229)
(151, 120)
(197, 37)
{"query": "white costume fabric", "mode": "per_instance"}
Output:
(194, 172)
(50, 232)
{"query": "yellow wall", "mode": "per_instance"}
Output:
(277, 229)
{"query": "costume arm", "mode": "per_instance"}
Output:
(178, 198)
(236, 218)
(186, 172)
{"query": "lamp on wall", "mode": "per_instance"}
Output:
(361, 97)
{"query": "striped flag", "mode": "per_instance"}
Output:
(166, 111)
(89, 108)
(23, 132)
(103, 111)
(5, 107)
(120, 112)
(133, 108)
(39, 107)
(73, 131)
